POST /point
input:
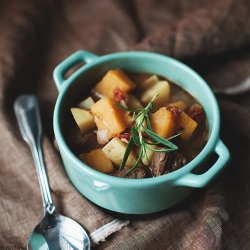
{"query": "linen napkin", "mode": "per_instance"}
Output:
(211, 36)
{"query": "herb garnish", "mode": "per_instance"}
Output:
(137, 135)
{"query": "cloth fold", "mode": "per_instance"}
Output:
(211, 36)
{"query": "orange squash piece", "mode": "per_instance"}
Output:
(186, 125)
(108, 116)
(179, 104)
(162, 123)
(97, 160)
(113, 79)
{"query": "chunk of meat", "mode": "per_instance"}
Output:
(166, 162)
(79, 142)
(158, 164)
(176, 161)
(138, 173)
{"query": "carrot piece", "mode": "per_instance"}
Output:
(97, 160)
(179, 104)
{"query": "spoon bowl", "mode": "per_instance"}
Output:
(55, 231)
(58, 232)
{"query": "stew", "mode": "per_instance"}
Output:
(137, 125)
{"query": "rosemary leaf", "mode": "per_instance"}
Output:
(151, 143)
(139, 117)
(127, 152)
(158, 138)
(135, 137)
(126, 109)
(135, 165)
(148, 122)
(160, 150)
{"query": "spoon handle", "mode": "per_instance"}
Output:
(28, 117)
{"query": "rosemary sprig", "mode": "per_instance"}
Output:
(137, 138)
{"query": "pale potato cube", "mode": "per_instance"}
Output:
(115, 150)
(84, 119)
(162, 88)
(146, 159)
(134, 103)
(86, 104)
(149, 82)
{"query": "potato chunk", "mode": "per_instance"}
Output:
(163, 89)
(86, 104)
(186, 125)
(113, 79)
(147, 158)
(97, 160)
(163, 123)
(134, 103)
(108, 116)
(84, 119)
(115, 150)
(149, 82)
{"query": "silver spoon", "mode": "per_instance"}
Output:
(55, 231)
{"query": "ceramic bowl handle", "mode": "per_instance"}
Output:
(202, 180)
(76, 58)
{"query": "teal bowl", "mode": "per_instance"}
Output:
(136, 196)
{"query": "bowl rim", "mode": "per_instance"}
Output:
(123, 182)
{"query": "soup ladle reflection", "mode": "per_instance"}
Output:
(55, 231)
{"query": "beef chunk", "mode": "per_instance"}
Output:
(176, 161)
(138, 173)
(166, 162)
(159, 161)
(79, 142)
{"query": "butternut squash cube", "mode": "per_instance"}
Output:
(84, 119)
(113, 79)
(179, 104)
(163, 89)
(162, 123)
(108, 116)
(97, 160)
(86, 104)
(115, 151)
(186, 125)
